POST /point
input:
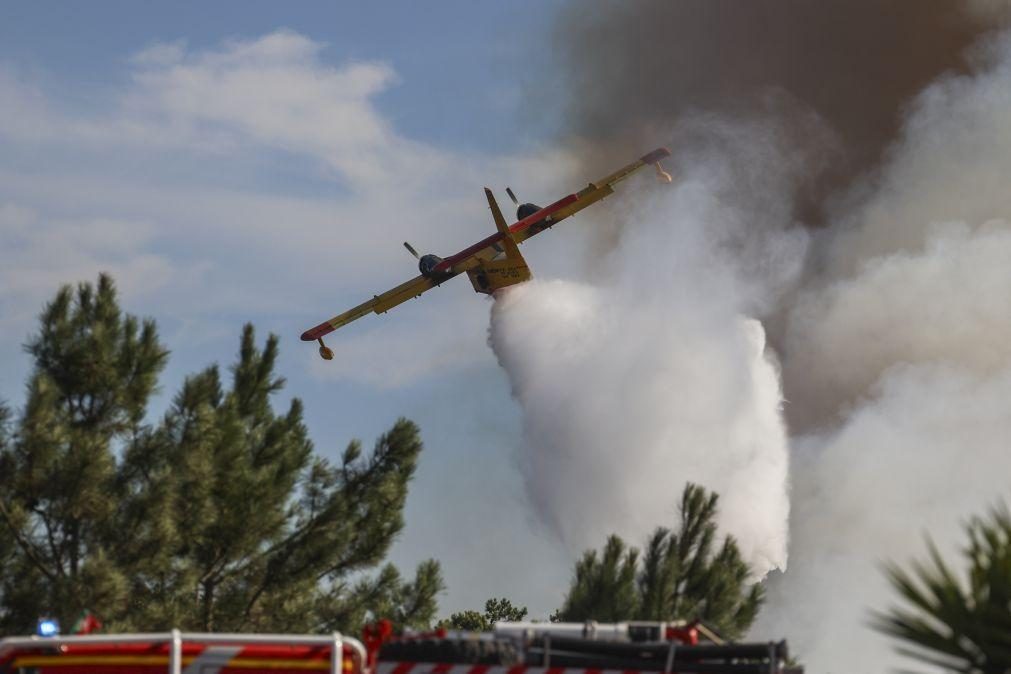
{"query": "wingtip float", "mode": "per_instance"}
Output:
(494, 262)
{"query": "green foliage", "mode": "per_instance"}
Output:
(502, 610)
(217, 517)
(406, 603)
(604, 588)
(495, 610)
(94, 372)
(949, 625)
(683, 575)
(470, 620)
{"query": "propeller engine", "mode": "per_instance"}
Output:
(522, 210)
(426, 263)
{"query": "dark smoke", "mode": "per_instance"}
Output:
(888, 125)
(632, 67)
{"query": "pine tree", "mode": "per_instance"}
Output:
(217, 517)
(495, 610)
(94, 373)
(406, 603)
(683, 575)
(952, 624)
(502, 610)
(603, 588)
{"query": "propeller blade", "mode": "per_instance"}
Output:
(411, 250)
(512, 196)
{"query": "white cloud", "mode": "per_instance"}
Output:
(160, 54)
(389, 351)
(274, 91)
(152, 182)
(271, 92)
(37, 254)
(24, 109)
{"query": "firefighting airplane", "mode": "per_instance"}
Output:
(493, 262)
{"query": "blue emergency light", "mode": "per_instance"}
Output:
(48, 627)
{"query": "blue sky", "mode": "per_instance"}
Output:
(262, 162)
(461, 66)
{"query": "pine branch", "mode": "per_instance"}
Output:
(26, 545)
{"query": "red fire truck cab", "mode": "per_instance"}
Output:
(178, 652)
(512, 648)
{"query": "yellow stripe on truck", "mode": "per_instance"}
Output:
(77, 660)
(266, 663)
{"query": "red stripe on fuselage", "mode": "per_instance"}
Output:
(534, 218)
(449, 262)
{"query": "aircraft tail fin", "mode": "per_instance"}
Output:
(500, 273)
(496, 213)
(508, 242)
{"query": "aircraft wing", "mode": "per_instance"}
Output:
(378, 304)
(483, 251)
(490, 247)
(590, 194)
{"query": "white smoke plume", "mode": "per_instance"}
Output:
(901, 358)
(895, 345)
(652, 374)
(925, 451)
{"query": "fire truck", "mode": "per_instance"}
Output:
(511, 648)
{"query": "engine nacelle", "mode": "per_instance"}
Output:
(427, 264)
(526, 210)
